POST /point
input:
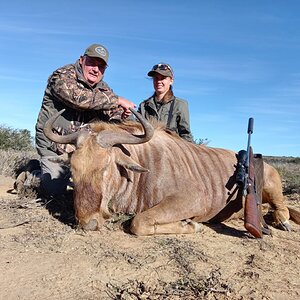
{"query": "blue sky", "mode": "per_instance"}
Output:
(232, 60)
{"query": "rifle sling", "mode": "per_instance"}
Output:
(170, 115)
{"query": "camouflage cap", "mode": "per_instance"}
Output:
(161, 68)
(97, 50)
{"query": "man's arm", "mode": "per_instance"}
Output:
(126, 104)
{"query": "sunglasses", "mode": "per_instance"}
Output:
(162, 67)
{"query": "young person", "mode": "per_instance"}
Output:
(164, 106)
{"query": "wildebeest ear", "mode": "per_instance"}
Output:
(128, 163)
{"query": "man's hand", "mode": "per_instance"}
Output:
(126, 104)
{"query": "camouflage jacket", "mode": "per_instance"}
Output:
(179, 120)
(67, 88)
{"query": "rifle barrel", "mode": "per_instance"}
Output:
(250, 125)
(250, 131)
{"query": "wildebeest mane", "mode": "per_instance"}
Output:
(130, 126)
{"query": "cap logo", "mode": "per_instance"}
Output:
(101, 51)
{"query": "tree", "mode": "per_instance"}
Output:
(16, 139)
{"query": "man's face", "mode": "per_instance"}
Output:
(93, 69)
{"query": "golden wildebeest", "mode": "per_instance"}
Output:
(171, 185)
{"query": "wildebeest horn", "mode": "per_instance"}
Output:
(61, 139)
(107, 138)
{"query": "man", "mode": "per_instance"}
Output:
(79, 89)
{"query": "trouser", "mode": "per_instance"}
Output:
(55, 177)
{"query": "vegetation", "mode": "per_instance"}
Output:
(12, 162)
(15, 139)
(289, 170)
(201, 141)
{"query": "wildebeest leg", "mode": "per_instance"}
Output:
(172, 215)
(140, 227)
(281, 213)
(272, 193)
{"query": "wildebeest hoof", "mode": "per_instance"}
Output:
(91, 225)
(286, 226)
(196, 225)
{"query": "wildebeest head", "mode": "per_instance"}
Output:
(98, 157)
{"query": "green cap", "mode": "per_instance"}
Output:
(97, 50)
(161, 68)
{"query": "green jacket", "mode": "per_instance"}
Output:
(179, 121)
(67, 88)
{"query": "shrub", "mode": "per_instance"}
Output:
(296, 160)
(13, 161)
(289, 170)
(16, 139)
(201, 141)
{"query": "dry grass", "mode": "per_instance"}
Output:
(13, 161)
(289, 170)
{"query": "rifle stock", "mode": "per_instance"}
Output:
(251, 216)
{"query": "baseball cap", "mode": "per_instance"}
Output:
(161, 68)
(97, 50)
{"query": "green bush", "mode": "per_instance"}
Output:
(201, 141)
(16, 139)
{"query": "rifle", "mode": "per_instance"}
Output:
(245, 178)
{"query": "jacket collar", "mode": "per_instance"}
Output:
(152, 100)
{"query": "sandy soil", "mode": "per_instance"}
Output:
(43, 256)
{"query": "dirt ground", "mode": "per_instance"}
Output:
(44, 256)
